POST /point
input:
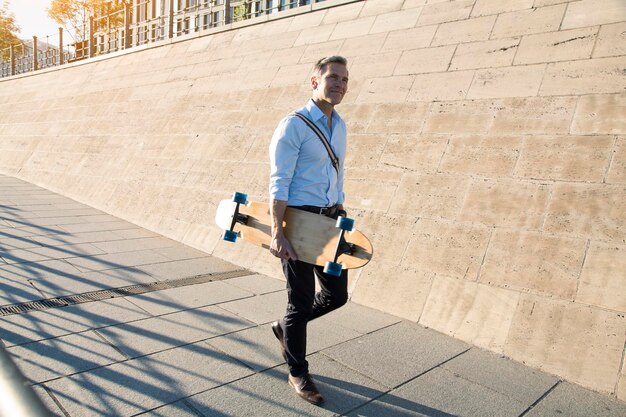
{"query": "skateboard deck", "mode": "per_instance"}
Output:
(312, 236)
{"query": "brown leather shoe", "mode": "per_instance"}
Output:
(306, 389)
(278, 332)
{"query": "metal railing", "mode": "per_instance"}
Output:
(139, 23)
(18, 397)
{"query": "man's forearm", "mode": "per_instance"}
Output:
(277, 213)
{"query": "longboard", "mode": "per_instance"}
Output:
(314, 237)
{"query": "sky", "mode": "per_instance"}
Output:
(32, 18)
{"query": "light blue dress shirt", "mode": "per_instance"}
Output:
(301, 169)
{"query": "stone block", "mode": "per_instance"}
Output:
(602, 278)
(365, 150)
(391, 118)
(430, 195)
(579, 343)
(451, 249)
(344, 13)
(534, 115)
(617, 170)
(556, 46)
(575, 401)
(506, 203)
(489, 7)
(507, 82)
(369, 194)
(441, 86)
(503, 375)
(591, 76)
(488, 54)
(448, 11)
(403, 19)
(374, 65)
(314, 52)
(459, 117)
(600, 114)
(307, 20)
(150, 380)
(314, 35)
(386, 89)
(398, 290)
(292, 74)
(417, 350)
(469, 30)
(534, 262)
(419, 61)
(565, 158)
(402, 40)
(481, 155)
(361, 47)
(414, 152)
(378, 7)
(352, 28)
(477, 314)
(389, 235)
(611, 40)
(588, 211)
(593, 12)
(410, 4)
(525, 22)
(54, 358)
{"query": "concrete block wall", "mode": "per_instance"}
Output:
(487, 157)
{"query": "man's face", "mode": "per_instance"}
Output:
(332, 84)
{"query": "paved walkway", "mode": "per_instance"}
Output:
(161, 329)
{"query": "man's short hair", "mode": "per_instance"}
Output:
(320, 65)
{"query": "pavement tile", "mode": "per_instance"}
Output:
(9, 243)
(82, 282)
(97, 227)
(189, 268)
(53, 358)
(16, 290)
(268, 394)
(258, 284)
(257, 347)
(129, 245)
(415, 350)
(502, 375)
(177, 409)
(134, 232)
(117, 260)
(67, 239)
(54, 409)
(183, 298)
(360, 319)
(446, 392)
(46, 253)
(24, 328)
(152, 335)
(179, 252)
(260, 309)
(573, 401)
(130, 387)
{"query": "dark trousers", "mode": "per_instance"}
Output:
(305, 305)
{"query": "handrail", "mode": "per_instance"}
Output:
(136, 25)
(18, 398)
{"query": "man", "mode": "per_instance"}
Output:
(303, 176)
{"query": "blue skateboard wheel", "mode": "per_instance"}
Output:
(345, 223)
(333, 268)
(240, 198)
(230, 236)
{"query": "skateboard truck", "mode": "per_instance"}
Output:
(230, 235)
(344, 224)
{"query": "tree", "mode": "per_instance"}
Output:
(8, 30)
(74, 15)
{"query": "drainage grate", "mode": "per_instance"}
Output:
(117, 292)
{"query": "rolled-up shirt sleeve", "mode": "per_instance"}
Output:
(284, 150)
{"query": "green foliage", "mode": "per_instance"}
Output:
(74, 15)
(8, 30)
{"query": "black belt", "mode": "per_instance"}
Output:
(324, 211)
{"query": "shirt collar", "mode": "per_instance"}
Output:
(317, 114)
